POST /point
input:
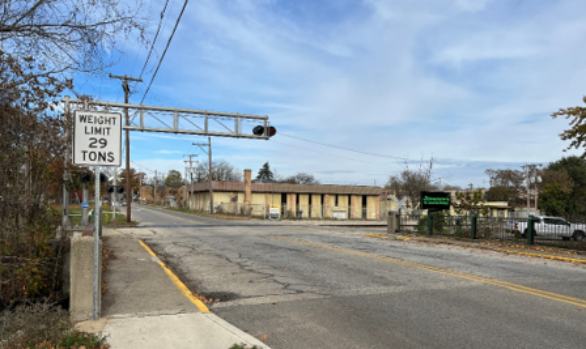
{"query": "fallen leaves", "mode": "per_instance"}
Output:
(204, 299)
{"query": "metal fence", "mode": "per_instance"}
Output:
(547, 231)
(456, 226)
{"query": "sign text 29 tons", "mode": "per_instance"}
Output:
(97, 138)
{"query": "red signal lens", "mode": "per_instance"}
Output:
(272, 131)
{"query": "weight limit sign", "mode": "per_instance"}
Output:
(97, 138)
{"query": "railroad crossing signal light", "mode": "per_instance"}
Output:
(86, 177)
(260, 131)
(119, 190)
(103, 178)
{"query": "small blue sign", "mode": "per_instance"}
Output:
(85, 205)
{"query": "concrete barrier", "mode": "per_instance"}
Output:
(82, 276)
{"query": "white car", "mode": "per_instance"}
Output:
(552, 228)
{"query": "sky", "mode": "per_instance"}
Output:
(360, 90)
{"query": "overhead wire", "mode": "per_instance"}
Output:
(154, 39)
(346, 148)
(330, 154)
(165, 51)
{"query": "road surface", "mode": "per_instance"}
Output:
(300, 287)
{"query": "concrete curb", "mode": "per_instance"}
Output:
(171, 317)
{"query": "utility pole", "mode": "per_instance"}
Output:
(527, 185)
(531, 171)
(126, 89)
(209, 152)
(190, 171)
(140, 187)
(155, 194)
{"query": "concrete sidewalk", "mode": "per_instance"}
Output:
(146, 306)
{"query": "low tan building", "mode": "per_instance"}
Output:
(494, 208)
(292, 200)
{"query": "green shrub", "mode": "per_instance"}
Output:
(422, 225)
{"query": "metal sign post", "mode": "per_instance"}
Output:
(97, 215)
(97, 141)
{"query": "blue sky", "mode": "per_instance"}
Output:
(470, 83)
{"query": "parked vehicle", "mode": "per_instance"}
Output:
(549, 227)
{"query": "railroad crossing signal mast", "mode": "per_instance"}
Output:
(151, 119)
(97, 142)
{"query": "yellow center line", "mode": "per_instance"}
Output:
(485, 280)
(180, 285)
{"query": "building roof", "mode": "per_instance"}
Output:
(289, 188)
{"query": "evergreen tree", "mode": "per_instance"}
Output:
(265, 172)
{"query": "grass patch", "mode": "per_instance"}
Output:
(43, 326)
(108, 219)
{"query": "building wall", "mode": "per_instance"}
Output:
(262, 202)
(371, 207)
(304, 204)
(316, 206)
(329, 201)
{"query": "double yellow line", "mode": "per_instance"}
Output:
(514, 287)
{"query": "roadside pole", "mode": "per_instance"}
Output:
(97, 146)
(97, 215)
(126, 89)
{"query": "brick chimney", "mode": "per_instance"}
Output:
(247, 187)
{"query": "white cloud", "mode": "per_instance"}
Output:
(456, 79)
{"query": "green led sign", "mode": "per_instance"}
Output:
(435, 200)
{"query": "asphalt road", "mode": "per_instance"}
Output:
(311, 287)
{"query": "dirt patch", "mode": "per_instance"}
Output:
(107, 255)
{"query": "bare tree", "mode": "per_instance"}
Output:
(505, 185)
(300, 178)
(410, 183)
(69, 35)
(30, 168)
(222, 171)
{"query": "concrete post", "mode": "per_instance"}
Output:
(391, 222)
(82, 275)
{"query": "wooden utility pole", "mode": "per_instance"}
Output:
(209, 152)
(126, 89)
(190, 161)
(155, 191)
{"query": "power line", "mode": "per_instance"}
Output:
(165, 51)
(330, 154)
(146, 168)
(345, 148)
(155, 39)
